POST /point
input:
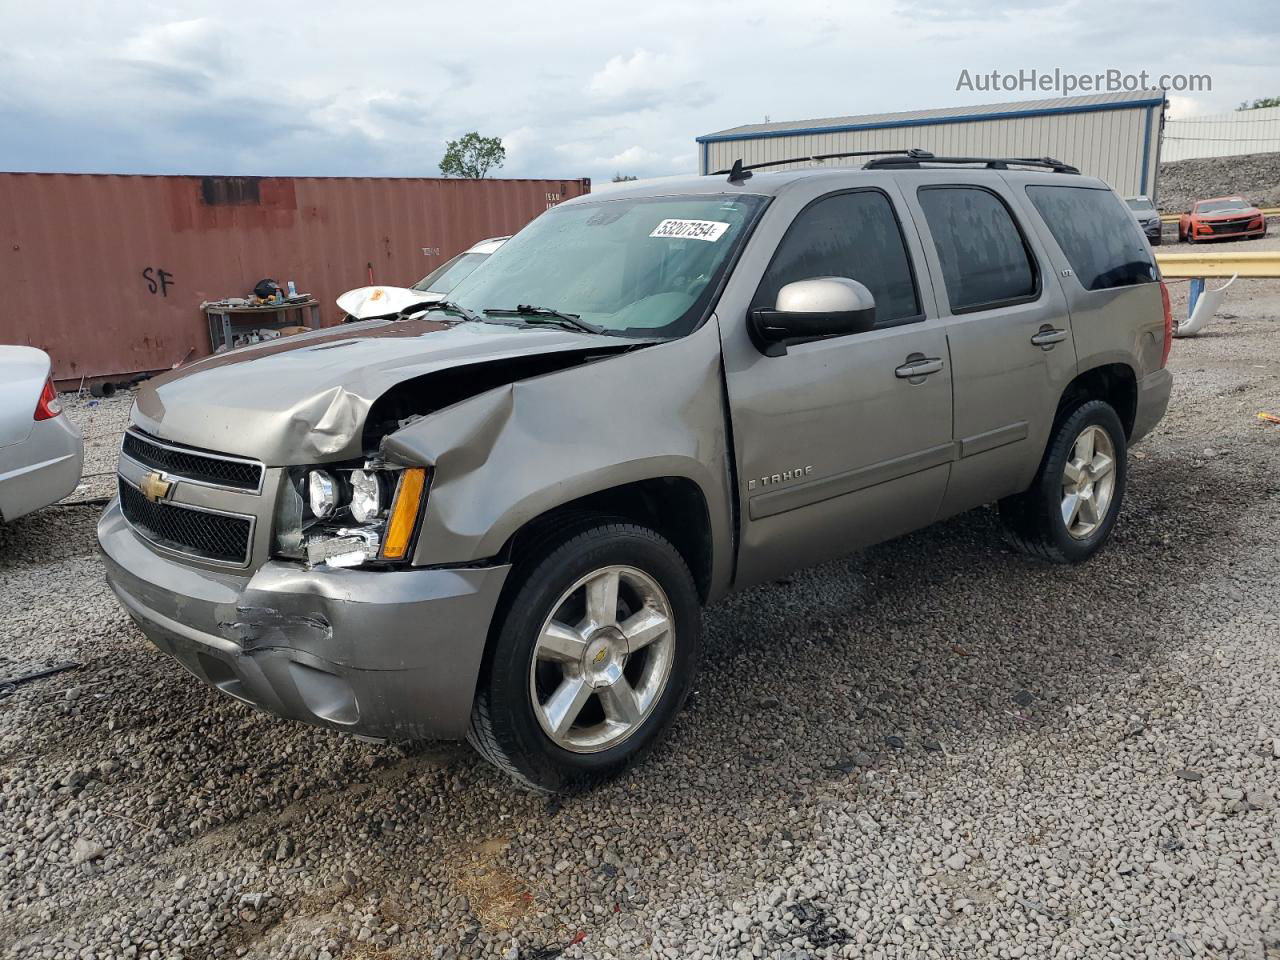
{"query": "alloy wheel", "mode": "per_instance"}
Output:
(602, 659)
(1088, 482)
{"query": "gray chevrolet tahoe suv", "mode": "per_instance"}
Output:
(499, 518)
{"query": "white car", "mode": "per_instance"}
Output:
(368, 303)
(41, 451)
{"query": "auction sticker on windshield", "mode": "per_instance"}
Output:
(710, 230)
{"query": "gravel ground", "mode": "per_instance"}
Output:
(102, 421)
(936, 748)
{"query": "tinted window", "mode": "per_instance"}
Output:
(1100, 240)
(984, 259)
(854, 235)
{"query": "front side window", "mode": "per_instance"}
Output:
(854, 235)
(985, 260)
(646, 266)
(1102, 243)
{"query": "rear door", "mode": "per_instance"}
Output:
(837, 444)
(1007, 329)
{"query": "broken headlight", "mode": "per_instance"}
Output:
(366, 495)
(348, 516)
(322, 493)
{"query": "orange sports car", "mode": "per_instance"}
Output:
(1221, 217)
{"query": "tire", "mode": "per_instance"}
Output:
(1035, 521)
(514, 709)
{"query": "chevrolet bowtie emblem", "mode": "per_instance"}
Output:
(155, 487)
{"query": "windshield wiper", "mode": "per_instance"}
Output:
(532, 314)
(448, 306)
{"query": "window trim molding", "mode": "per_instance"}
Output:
(918, 317)
(1037, 274)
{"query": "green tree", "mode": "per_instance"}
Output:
(472, 156)
(1259, 104)
(623, 178)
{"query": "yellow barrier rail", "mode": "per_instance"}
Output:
(1173, 217)
(1191, 265)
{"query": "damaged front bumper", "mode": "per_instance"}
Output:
(388, 654)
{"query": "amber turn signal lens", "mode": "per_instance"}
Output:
(404, 513)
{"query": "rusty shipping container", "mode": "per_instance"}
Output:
(107, 272)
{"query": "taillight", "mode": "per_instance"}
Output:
(1168, 323)
(49, 405)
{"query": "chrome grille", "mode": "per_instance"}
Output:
(198, 466)
(209, 535)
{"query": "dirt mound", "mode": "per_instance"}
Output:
(1255, 176)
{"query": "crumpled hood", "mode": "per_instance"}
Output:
(304, 399)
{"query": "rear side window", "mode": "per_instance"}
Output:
(854, 235)
(985, 260)
(1099, 239)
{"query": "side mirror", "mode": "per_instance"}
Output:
(814, 309)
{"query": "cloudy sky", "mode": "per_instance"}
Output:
(574, 89)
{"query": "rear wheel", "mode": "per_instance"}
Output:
(1069, 511)
(593, 658)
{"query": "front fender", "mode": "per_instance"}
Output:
(506, 456)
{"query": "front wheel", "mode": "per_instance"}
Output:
(594, 655)
(1069, 511)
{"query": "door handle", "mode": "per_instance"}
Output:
(917, 368)
(1047, 337)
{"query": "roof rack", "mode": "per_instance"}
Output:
(739, 171)
(914, 159)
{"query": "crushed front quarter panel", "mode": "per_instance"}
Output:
(504, 457)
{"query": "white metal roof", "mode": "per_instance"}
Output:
(1093, 102)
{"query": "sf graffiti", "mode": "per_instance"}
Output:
(159, 280)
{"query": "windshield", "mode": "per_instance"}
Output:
(1220, 206)
(646, 266)
(1140, 204)
(448, 275)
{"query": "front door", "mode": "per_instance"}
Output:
(844, 441)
